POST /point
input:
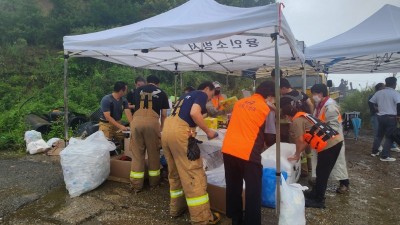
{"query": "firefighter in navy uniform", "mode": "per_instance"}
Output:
(307, 130)
(242, 148)
(187, 178)
(151, 104)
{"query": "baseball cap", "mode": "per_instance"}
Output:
(217, 84)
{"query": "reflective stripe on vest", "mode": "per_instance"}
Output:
(137, 175)
(154, 173)
(197, 200)
(176, 193)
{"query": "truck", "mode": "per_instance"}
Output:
(296, 81)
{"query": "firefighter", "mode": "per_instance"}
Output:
(112, 107)
(186, 176)
(308, 130)
(151, 104)
(242, 148)
(139, 81)
(328, 112)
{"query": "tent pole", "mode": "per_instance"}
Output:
(181, 83)
(278, 122)
(66, 56)
(254, 85)
(304, 80)
(176, 80)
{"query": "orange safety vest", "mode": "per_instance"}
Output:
(322, 115)
(244, 138)
(319, 133)
(216, 101)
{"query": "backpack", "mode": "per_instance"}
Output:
(298, 102)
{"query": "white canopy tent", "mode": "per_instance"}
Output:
(200, 35)
(372, 46)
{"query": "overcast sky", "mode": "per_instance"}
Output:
(314, 21)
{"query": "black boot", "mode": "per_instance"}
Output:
(237, 221)
(315, 203)
(309, 194)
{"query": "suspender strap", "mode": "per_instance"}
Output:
(177, 107)
(149, 101)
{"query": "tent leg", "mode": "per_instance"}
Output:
(278, 122)
(181, 83)
(304, 76)
(254, 85)
(66, 56)
(176, 80)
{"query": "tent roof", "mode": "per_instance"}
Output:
(198, 35)
(371, 46)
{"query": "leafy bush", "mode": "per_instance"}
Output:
(358, 101)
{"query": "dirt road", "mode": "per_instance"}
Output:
(32, 192)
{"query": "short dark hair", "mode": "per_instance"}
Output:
(273, 72)
(285, 83)
(119, 85)
(379, 86)
(289, 110)
(266, 88)
(189, 89)
(391, 82)
(206, 84)
(320, 88)
(140, 79)
(153, 79)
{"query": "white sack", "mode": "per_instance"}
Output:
(52, 141)
(31, 136)
(86, 163)
(292, 204)
(292, 168)
(37, 146)
(217, 176)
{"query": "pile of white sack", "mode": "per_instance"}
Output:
(35, 143)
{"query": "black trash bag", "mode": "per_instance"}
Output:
(193, 152)
(86, 129)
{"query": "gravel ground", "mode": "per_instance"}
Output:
(24, 180)
(32, 192)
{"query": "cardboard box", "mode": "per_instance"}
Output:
(217, 198)
(119, 169)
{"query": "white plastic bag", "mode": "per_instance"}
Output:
(52, 141)
(292, 204)
(31, 136)
(86, 163)
(38, 146)
(292, 168)
(217, 176)
(34, 142)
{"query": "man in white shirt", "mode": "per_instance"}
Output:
(388, 101)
